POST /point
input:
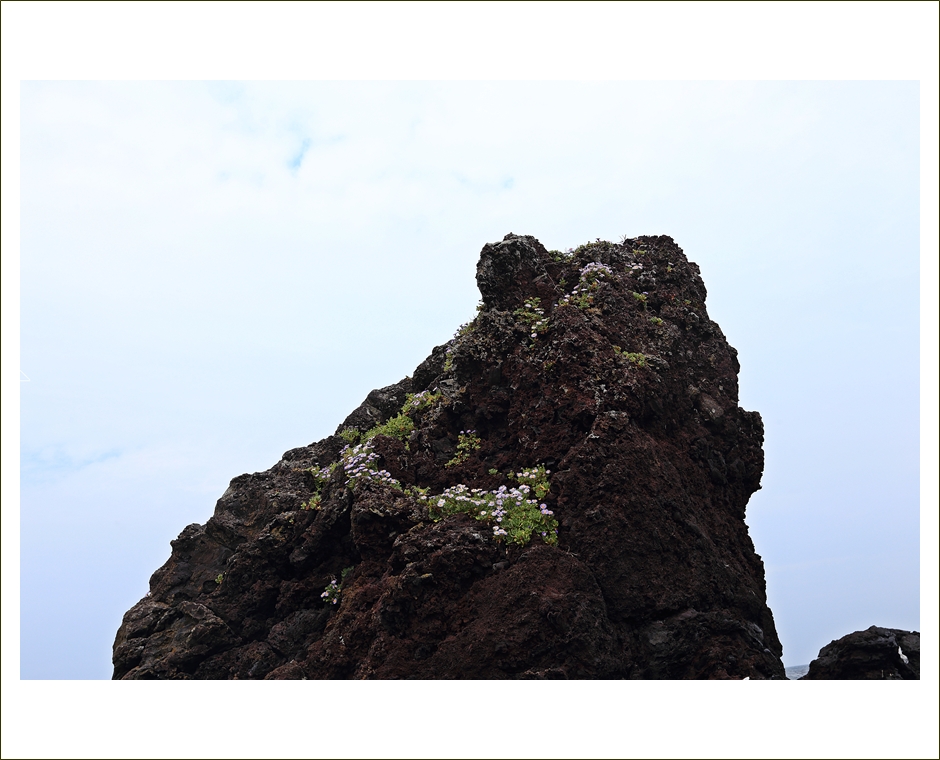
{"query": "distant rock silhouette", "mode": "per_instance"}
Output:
(875, 653)
(562, 497)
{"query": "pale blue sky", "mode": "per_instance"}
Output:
(212, 275)
(213, 272)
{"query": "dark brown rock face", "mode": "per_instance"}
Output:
(409, 556)
(872, 654)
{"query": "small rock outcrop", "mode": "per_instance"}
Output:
(875, 653)
(558, 492)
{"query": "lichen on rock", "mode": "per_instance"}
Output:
(591, 402)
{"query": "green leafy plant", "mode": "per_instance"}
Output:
(590, 277)
(419, 402)
(314, 502)
(536, 478)
(218, 579)
(591, 249)
(635, 358)
(399, 427)
(582, 300)
(351, 435)
(467, 442)
(656, 320)
(416, 491)
(532, 316)
(332, 593)
(514, 514)
(641, 298)
(321, 476)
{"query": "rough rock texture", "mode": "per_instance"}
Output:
(876, 653)
(621, 386)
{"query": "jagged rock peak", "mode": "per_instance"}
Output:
(557, 492)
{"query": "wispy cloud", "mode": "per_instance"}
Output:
(52, 463)
(295, 162)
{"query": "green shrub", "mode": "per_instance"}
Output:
(532, 317)
(351, 435)
(399, 427)
(467, 442)
(312, 503)
(638, 359)
(419, 402)
(515, 516)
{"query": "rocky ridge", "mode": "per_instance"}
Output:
(873, 654)
(558, 492)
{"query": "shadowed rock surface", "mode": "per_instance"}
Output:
(872, 654)
(600, 365)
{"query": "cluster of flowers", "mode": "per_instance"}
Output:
(590, 272)
(515, 514)
(419, 401)
(357, 463)
(533, 315)
(331, 595)
(321, 476)
(537, 478)
(581, 294)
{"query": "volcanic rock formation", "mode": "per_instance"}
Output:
(873, 654)
(558, 492)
